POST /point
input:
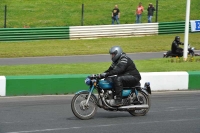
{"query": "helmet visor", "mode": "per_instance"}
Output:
(112, 56)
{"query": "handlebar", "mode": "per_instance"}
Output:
(97, 76)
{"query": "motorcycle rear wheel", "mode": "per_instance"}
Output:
(79, 107)
(145, 99)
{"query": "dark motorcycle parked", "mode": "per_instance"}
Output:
(136, 100)
(190, 52)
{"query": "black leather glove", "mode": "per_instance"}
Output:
(103, 75)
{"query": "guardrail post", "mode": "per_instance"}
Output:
(5, 12)
(156, 11)
(82, 15)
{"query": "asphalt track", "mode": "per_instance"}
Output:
(76, 59)
(171, 112)
(73, 59)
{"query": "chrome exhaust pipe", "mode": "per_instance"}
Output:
(144, 106)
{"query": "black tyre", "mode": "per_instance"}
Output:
(79, 107)
(167, 56)
(145, 99)
(192, 54)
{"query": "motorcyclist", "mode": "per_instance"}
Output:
(175, 46)
(126, 71)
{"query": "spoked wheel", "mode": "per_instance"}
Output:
(82, 110)
(144, 99)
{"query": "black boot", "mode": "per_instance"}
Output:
(118, 101)
(118, 91)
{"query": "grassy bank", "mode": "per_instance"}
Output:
(48, 13)
(95, 46)
(152, 65)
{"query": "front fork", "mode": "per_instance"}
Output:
(90, 93)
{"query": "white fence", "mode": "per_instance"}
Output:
(78, 32)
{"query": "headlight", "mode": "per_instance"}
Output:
(87, 81)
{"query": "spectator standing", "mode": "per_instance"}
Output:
(139, 12)
(115, 15)
(150, 10)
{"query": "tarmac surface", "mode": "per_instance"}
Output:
(170, 112)
(77, 59)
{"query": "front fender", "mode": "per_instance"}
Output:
(82, 91)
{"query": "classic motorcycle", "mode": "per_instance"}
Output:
(170, 54)
(84, 104)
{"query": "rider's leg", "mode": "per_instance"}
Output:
(118, 90)
(123, 81)
(179, 51)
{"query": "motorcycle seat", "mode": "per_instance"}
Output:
(138, 85)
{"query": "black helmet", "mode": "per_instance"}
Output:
(177, 38)
(115, 53)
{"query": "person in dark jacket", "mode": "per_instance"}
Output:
(126, 71)
(175, 46)
(115, 15)
(150, 10)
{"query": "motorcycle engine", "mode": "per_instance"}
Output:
(109, 97)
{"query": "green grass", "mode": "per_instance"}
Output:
(151, 65)
(48, 13)
(95, 46)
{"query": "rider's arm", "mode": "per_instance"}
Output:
(181, 43)
(119, 68)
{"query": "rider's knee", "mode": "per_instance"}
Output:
(118, 79)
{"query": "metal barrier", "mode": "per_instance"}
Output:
(78, 32)
(171, 27)
(21, 34)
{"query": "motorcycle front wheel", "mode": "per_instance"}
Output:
(82, 110)
(144, 99)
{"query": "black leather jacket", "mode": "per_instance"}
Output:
(175, 46)
(123, 66)
(150, 10)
